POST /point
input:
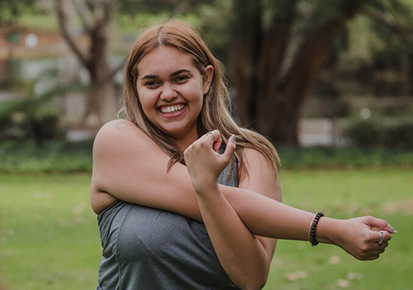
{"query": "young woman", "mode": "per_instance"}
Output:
(185, 198)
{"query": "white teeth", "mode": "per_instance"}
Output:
(172, 109)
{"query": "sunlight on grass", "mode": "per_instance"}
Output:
(49, 237)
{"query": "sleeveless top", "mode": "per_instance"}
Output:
(147, 248)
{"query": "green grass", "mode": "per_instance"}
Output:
(49, 237)
(344, 194)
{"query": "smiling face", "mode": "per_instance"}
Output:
(171, 91)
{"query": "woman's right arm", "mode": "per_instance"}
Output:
(129, 166)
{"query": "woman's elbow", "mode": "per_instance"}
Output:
(254, 283)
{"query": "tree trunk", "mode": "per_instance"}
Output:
(100, 103)
(96, 18)
(271, 95)
(245, 39)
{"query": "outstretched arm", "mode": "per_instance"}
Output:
(273, 219)
(128, 165)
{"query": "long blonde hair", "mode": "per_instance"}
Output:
(215, 112)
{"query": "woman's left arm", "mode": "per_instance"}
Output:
(246, 258)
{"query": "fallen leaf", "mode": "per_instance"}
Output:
(343, 283)
(354, 276)
(405, 206)
(334, 260)
(292, 277)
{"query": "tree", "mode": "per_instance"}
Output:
(96, 17)
(10, 10)
(276, 50)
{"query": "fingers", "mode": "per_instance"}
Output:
(229, 150)
(213, 137)
(380, 224)
(375, 245)
(216, 139)
(382, 237)
(371, 238)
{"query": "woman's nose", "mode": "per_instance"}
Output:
(168, 93)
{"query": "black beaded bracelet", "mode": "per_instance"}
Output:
(313, 228)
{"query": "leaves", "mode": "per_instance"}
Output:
(334, 260)
(295, 276)
(10, 10)
(351, 276)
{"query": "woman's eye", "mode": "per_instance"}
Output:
(181, 79)
(151, 84)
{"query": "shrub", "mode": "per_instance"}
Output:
(342, 157)
(400, 136)
(369, 134)
(24, 156)
(5, 122)
(365, 134)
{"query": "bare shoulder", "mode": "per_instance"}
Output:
(118, 125)
(260, 175)
(117, 131)
(120, 137)
(257, 164)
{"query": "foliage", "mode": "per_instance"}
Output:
(23, 118)
(24, 156)
(376, 134)
(59, 156)
(365, 134)
(272, 52)
(49, 237)
(172, 7)
(30, 116)
(357, 50)
(342, 157)
(400, 136)
(11, 10)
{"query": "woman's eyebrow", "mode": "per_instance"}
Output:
(149, 77)
(172, 74)
(179, 72)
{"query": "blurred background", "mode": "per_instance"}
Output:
(329, 82)
(301, 72)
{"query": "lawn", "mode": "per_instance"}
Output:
(49, 238)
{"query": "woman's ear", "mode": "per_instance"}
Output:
(209, 74)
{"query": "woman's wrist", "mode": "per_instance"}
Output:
(207, 189)
(328, 230)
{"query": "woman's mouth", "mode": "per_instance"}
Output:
(171, 109)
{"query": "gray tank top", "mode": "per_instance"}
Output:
(147, 248)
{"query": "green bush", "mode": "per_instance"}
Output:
(400, 136)
(5, 123)
(42, 126)
(342, 157)
(375, 134)
(21, 122)
(57, 156)
(364, 134)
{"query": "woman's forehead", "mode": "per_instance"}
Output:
(165, 59)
